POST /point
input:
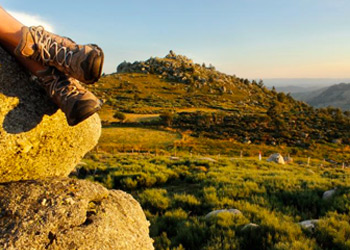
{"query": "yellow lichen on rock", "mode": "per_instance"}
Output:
(35, 139)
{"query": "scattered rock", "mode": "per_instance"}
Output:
(331, 161)
(66, 213)
(329, 194)
(278, 158)
(249, 227)
(216, 212)
(337, 141)
(288, 159)
(309, 225)
(247, 141)
(35, 139)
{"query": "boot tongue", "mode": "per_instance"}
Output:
(30, 48)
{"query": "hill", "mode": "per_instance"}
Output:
(176, 82)
(307, 95)
(191, 97)
(337, 95)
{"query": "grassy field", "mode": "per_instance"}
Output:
(177, 194)
(126, 139)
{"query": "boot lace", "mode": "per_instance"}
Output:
(61, 85)
(46, 43)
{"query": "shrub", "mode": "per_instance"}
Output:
(210, 196)
(186, 201)
(154, 199)
(167, 118)
(119, 115)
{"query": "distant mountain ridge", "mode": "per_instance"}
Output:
(308, 83)
(295, 89)
(337, 95)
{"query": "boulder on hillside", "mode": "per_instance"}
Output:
(35, 139)
(249, 227)
(278, 158)
(327, 195)
(309, 225)
(65, 213)
(288, 159)
(216, 212)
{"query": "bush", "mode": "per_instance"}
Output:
(167, 118)
(119, 115)
(154, 199)
(186, 201)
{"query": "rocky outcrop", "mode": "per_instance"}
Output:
(39, 207)
(178, 68)
(35, 139)
(64, 213)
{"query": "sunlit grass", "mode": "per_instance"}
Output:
(122, 139)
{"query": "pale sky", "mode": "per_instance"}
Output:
(248, 38)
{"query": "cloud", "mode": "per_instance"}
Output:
(31, 20)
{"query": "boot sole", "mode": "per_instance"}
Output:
(95, 67)
(80, 119)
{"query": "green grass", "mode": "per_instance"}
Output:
(147, 94)
(127, 139)
(122, 139)
(177, 194)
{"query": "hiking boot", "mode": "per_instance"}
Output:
(82, 62)
(76, 102)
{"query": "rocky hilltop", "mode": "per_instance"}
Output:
(179, 68)
(40, 207)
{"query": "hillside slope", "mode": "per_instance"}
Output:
(176, 82)
(221, 106)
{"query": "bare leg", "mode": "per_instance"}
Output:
(10, 36)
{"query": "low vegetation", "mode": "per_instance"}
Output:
(176, 194)
(184, 140)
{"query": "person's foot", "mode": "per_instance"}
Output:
(76, 102)
(82, 62)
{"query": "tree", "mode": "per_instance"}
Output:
(119, 115)
(167, 118)
(281, 97)
(273, 90)
(274, 110)
(261, 83)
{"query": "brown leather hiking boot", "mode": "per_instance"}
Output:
(76, 102)
(82, 62)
